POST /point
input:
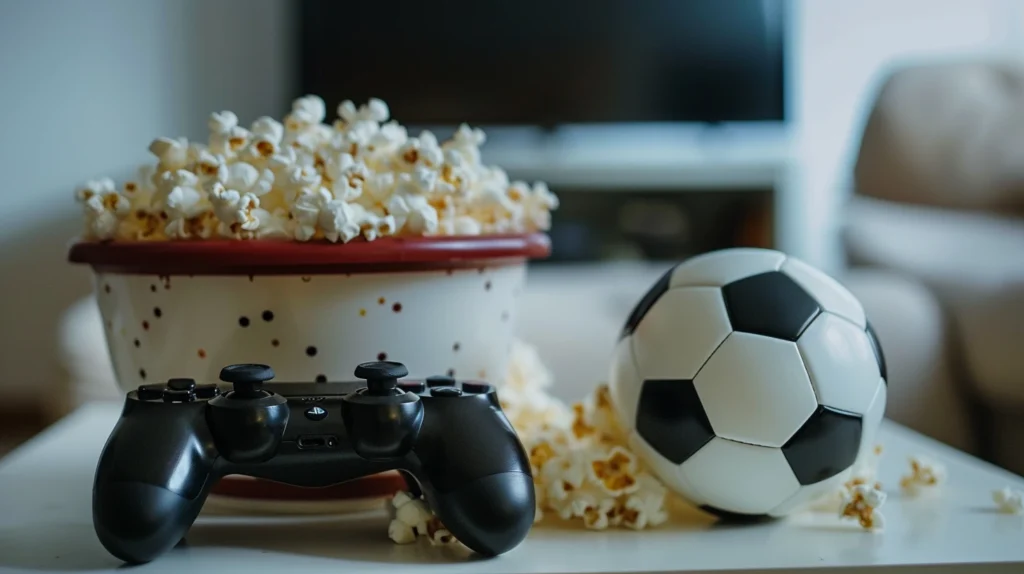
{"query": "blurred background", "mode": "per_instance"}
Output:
(880, 140)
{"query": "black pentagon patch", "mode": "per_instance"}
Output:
(879, 355)
(645, 304)
(735, 517)
(671, 419)
(825, 445)
(770, 304)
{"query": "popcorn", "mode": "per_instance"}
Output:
(414, 514)
(420, 151)
(236, 211)
(1008, 500)
(171, 153)
(863, 472)
(247, 179)
(375, 110)
(298, 179)
(104, 208)
(307, 112)
(564, 474)
(590, 476)
(466, 143)
(582, 468)
(347, 175)
(862, 503)
(645, 507)
(460, 225)
(437, 534)
(411, 518)
(340, 221)
(268, 129)
(221, 123)
(230, 142)
(401, 533)
(614, 473)
(924, 474)
(306, 212)
(597, 513)
(389, 184)
(414, 214)
(210, 166)
(374, 226)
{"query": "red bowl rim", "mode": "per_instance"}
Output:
(233, 257)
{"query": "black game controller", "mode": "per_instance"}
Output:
(175, 440)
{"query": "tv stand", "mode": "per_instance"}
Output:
(662, 158)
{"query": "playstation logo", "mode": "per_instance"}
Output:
(316, 413)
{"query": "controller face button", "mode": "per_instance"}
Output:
(181, 384)
(207, 391)
(414, 387)
(173, 396)
(440, 381)
(476, 387)
(151, 392)
(316, 413)
(445, 392)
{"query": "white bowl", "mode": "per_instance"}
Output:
(310, 311)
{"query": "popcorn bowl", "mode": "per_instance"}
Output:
(313, 311)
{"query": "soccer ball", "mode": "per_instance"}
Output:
(749, 382)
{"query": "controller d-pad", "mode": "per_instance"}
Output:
(414, 387)
(153, 392)
(440, 381)
(476, 387)
(173, 396)
(445, 392)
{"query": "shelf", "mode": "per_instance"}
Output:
(648, 157)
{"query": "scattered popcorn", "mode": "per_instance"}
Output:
(401, 533)
(410, 517)
(864, 472)
(301, 179)
(437, 534)
(1009, 500)
(582, 468)
(862, 503)
(414, 514)
(924, 474)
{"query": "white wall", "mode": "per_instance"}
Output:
(84, 87)
(841, 48)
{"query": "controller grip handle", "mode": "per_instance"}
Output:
(137, 522)
(490, 515)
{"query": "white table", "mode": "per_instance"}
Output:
(45, 525)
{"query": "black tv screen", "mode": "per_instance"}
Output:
(549, 62)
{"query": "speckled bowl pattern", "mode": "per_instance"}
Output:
(312, 311)
(310, 327)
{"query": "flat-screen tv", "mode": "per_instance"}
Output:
(549, 62)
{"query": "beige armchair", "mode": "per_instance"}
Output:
(939, 201)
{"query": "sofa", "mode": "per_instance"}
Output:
(938, 200)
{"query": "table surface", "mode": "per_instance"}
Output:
(45, 526)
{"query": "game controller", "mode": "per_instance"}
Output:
(175, 440)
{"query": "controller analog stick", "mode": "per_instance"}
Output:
(382, 420)
(381, 377)
(247, 379)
